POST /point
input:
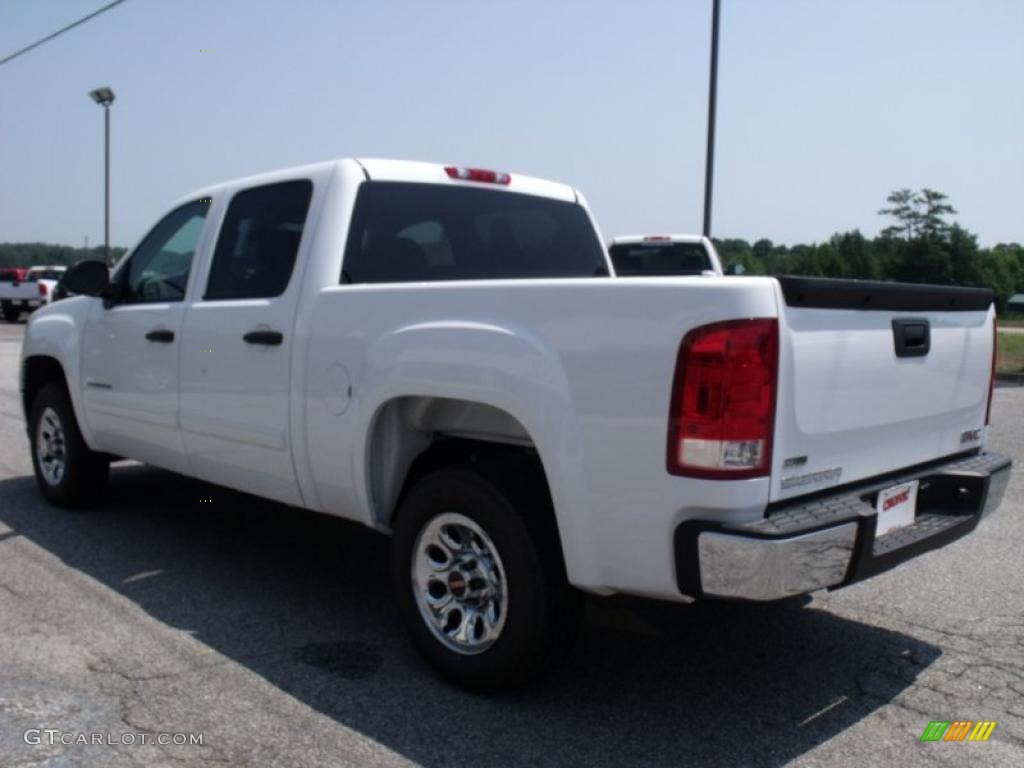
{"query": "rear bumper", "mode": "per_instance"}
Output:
(828, 541)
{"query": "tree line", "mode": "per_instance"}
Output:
(919, 246)
(48, 254)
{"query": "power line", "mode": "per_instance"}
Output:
(60, 31)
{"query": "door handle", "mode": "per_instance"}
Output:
(160, 335)
(268, 338)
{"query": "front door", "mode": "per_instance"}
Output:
(131, 349)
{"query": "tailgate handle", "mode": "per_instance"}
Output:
(912, 336)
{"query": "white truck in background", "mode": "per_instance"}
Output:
(26, 294)
(664, 255)
(445, 355)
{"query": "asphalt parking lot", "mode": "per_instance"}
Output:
(271, 632)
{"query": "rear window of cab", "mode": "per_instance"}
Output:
(407, 232)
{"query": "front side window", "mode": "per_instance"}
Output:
(158, 269)
(405, 232)
(259, 241)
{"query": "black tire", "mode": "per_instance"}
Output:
(11, 314)
(543, 611)
(85, 473)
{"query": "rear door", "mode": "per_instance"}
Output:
(875, 377)
(237, 343)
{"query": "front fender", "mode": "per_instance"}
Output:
(55, 331)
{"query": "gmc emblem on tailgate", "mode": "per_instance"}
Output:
(970, 436)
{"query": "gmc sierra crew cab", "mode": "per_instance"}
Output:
(446, 355)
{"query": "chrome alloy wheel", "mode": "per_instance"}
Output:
(50, 447)
(459, 583)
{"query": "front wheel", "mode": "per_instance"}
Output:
(479, 580)
(68, 472)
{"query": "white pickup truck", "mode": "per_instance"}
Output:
(445, 355)
(25, 295)
(664, 255)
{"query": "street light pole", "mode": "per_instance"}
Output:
(105, 97)
(709, 162)
(106, 182)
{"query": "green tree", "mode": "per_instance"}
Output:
(763, 249)
(904, 209)
(917, 214)
(964, 256)
(921, 261)
(48, 254)
(1002, 269)
(738, 251)
(932, 206)
(857, 254)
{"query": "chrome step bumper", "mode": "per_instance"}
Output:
(828, 541)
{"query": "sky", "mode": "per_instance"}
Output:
(824, 105)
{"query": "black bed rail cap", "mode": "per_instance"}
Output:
(829, 293)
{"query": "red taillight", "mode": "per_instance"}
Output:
(657, 238)
(477, 174)
(722, 416)
(42, 289)
(992, 374)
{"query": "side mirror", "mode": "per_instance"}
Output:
(88, 278)
(735, 269)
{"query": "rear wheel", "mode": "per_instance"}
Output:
(11, 314)
(480, 581)
(68, 472)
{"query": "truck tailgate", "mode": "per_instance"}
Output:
(875, 377)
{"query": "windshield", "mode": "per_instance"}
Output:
(645, 259)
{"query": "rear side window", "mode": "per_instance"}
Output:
(404, 232)
(258, 241)
(638, 259)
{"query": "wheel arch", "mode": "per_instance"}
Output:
(36, 372)
(411, 436)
